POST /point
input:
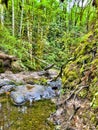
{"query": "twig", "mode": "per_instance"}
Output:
(45, 62)
(48, 67)
(68, 98)
(79, 91)
(75, 92)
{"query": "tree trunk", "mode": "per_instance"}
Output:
(21, 19)
(2, 14)
(13, 19)
(29, 31)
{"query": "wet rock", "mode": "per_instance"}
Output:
(1, 91)
(55, 84)
(31, 97)
(6, 88)
(31, 93)
(49, 93)
(4, 82)
(51, 73)
(6, 85)
(22, 88)
(17, 98)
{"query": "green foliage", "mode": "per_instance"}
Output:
(49, 21)
(18, 48)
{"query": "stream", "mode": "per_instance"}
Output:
(26, 100)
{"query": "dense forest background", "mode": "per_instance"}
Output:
(41, 32)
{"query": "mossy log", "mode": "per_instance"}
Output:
(4, 56)
(6, 61)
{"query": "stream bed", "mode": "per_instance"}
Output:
(25, 100)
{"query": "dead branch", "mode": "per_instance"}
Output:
(48, 67)
(4, 56)
(73, 93)
(44, 62)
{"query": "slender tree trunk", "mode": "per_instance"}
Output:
(13, 19)
(75, 16)
(29, 31)
(88, 17)
(2, 14)
(21, 19)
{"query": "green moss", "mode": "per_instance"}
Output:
(43, 81)
(72, 75)
(37, 80)
(95, 62)
(93, 89)
(83, 93)
(86, 37)
(34, 118)
(94, 102)
(3, 99)
(84, 59)
(95, 80)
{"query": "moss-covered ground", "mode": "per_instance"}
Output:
(26, 117)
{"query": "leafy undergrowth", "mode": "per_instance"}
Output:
(23, 50)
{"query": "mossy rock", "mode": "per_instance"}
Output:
(84, 59)
(86, 45)
(70, 79)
